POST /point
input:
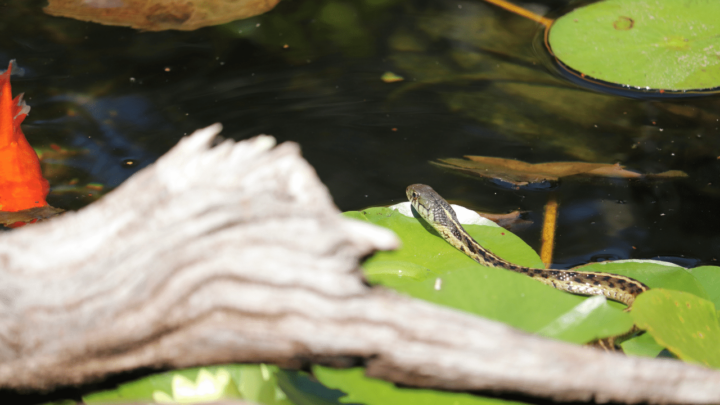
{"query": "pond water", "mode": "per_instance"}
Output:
(477, 82)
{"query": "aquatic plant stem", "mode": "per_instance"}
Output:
(547, 22)
(548, 231)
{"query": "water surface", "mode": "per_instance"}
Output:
(476, 83)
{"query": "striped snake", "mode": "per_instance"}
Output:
(438, 213)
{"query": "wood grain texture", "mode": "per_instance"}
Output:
(236, 253)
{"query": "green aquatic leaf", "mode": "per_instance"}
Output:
(685, 324)
(134, 391)
(671, 45)
(207, 386)
(259, 383)
(709, 277)
(583, 322)
(369, 391)
(642, 346)
(253, 382)
(427, 267)
(654, 273)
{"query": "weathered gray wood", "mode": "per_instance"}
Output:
(237, 254)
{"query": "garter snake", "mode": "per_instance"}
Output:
(438, 214)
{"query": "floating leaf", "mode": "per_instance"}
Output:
(671, 45)
(520, 174)
(364, 390)
(685, 324)
(158, 15)
(654, 273)
(643, 345)
(427, 267)
(709, 277)
(252, 382)
(208, 386)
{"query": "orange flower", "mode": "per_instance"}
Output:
(22, 185)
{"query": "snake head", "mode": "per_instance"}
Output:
(423, 198)
(419, 192)
(412, 195)
(431, 207)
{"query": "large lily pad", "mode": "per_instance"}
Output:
(671, 45)
(427, 267)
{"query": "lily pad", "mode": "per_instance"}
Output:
(364, 390)
(252, 382)
(709, 277)
(642, 346)
(654, 273)
(427, 267)
(649, 44)
(521, 174)
(685, 324)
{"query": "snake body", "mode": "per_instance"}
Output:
(438, 213)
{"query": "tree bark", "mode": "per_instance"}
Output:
(236, 253)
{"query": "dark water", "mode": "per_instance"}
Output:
(476, 84)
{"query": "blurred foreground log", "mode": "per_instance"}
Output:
(236, 253)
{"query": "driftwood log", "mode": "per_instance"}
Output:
(236, 253)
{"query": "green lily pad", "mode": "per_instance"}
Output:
(369, 391)
(671, 45)
(685, 324)
(243, 381)
(642, 346)
(427, 267)
(654, 273)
